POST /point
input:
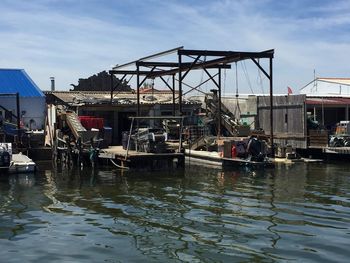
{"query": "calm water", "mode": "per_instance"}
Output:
(294, 213)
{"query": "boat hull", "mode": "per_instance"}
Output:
(213, 158)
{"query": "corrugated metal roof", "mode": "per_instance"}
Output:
(343, 81)
(17, 80)
(103, 97)
(327, 87)
(328, 101)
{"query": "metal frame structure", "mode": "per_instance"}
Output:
(217, 60)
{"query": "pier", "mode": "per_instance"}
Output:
(141, 160)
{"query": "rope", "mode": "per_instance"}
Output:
(260, 81)
(244, 67)
(117, 165)
(237, 95)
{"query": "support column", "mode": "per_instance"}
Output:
(314, 113)
(219, 103)
(111, 88)
(271, 110)
(180, 85)
(174, 104)
(322, 112)
(138, 90)
(18, 118)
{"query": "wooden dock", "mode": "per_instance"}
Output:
(142, 160)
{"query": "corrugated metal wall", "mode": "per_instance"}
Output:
(289, 119)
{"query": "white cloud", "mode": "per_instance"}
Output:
(69, 45)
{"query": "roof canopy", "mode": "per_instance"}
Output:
(17, 80)
(186, 61)
(216, 59)
(327, 87)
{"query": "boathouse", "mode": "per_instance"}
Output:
(31, 99)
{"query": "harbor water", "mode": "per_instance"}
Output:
(296, 213)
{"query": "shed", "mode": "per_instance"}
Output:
(31, 98)
(289, 114)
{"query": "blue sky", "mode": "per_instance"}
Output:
(72, 39)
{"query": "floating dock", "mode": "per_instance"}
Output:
(141, 160)
(213, 158)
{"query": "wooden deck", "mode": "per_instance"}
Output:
(134, 159)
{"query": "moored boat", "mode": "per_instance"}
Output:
(21, 163)
(214, 158)
(14, 162)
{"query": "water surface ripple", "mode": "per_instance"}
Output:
(293, 213)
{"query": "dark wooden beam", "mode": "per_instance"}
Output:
(175, 64)
(214, 53)
(129, 72)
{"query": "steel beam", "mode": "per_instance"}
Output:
(147, 76)
(196, 87)
(261, 68)
(138, 90)
(214, 53)
(166, 83)
(149, 57)
(200, 65)
(219, 86)
(271, 110)
(180, 83)
(128, 72)
(175, 64)
(190, 67)
(174, 107)
(212, 77)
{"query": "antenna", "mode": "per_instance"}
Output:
(315, 81)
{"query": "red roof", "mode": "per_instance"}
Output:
(328, 101)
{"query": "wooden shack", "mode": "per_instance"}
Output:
(289, 119)
(290, 122)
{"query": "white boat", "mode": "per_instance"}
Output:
(21, 163)
(14, 162)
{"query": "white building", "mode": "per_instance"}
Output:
(325, 87)
(31, 99)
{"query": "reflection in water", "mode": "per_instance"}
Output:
(196, 215)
